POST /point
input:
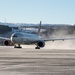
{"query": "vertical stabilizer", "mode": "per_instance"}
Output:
(39, 28)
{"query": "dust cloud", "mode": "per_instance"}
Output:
(60, 44)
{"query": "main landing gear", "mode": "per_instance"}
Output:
(17, 46)
(37, 47)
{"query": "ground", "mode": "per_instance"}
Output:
(29, 61)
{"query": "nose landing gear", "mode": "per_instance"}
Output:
(17, 46)
(37, 47)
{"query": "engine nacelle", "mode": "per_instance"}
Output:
(7, 42)
(41, 43)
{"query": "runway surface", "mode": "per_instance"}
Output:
(37, 62)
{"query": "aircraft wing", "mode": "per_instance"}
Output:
(56, 39)
(3, 38)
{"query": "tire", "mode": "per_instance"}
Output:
(37, 47)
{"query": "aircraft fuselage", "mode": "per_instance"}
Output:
(24, 38)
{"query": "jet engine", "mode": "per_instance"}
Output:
(41, 44)
(7, 42)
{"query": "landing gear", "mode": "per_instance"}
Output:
(37, 47)
(17, 46)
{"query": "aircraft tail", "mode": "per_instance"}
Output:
(39, 28)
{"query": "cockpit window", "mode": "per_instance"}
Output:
(15, 36)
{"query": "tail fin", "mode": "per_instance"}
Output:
(39, 28)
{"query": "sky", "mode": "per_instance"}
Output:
(33, 11)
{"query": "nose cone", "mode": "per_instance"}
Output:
(14, 38)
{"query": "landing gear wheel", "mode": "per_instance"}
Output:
(37, 47)
(17, 46)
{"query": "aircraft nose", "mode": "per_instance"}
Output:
(11, 38)
(14, 37)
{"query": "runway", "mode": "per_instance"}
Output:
(29, 61)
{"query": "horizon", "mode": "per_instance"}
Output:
(36, 23)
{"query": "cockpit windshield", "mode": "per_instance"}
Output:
(17, 35)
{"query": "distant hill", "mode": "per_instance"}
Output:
(5, 29)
